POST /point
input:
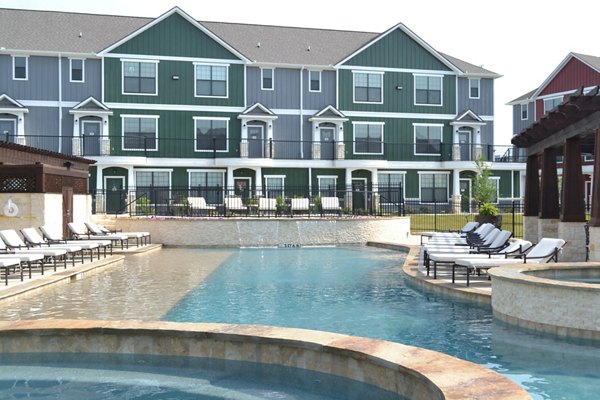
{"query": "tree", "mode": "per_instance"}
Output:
(483, 189)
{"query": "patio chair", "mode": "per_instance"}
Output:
(300, 206)
(266, 205)
(471, 238)
(330, 204)
(485, 241)
(79, 231)
(545, 251)
(27, 257)
(6, 264)
(99, 230)
(52, 237)
(467, 228)
(235, 204)
(198, 205)
(34, 239)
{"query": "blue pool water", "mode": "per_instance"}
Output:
(360, 291)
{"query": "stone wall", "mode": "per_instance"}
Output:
(239, 232)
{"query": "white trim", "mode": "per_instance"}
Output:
(262, 79)
(526, 112)
(401, 70)
(173, 58)
(189, 19)
(82, 70)
(415, 125)
(497, 179)
(478, 80)
(155, 117)
(211, 119)
(433, 172)
(477, 118)
(82, 127)
(26, 68)
(122, 178)
(20, 105)
(226, 66)
(354, 72)
(91, 99)
(191, 171)
(310, 80)
(319, 177)
(14, 121)
(470, 181)
(174, 107)
(556, 71)
(441, 90)
(269, 115)
(382, 124)
(375, 114)
(155, 62)
(265, 188)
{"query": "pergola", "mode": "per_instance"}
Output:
(571, 129)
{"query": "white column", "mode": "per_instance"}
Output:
(100, 195)
(99, 178)
(316, 145)
(269, 151)
(455, 145)
(76, 141)
(20, 124)
(131, 183)
(104, 137)
(131, 178)
(341, 146)
(477, 141)
(348, 179)
(456, 198)
(375, 179)
(244, 140)
(229, 180)
(522, 184)
(269, 129)
(258, 178)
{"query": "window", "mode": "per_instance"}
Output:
(390, 187)
(495, 181)
(77, 70)
(207, 184)
(368, 87)
(140, 132)
(549, 104)
(211, 80)
(428, 90)
(315, 81)
(20, 68)
(274, 185)
(434, 188)
(327, 186)
(211, 134)
(428, 139)
(139, 77)
(524, 111)
(368, 138)
(474, 88)
(155, 185)
(267, 78)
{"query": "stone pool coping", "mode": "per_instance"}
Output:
(526, 295)
(413, 372)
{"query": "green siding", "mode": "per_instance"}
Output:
(244, 173)
(505, 183)
(115, 171)
(170, 91)
(397, 50)
(295, 178)
(176, 133)
(364, 174)
(175, 36)
(412, 184)
(92, 178)
(395, 100)
(179, 178)
(517, 180)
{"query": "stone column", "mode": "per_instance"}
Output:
(594, 243)
(532, 200)
(76, 145)
(549, 211)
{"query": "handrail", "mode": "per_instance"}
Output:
(128, 204)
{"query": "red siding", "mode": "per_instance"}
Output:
(573, 75)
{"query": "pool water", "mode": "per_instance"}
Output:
(127, 377)
(361, 291)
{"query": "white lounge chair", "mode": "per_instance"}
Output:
(467, 228)
(330, 204)
(99, 230)
(27, 257)
(6, 263)
(12, 241)
(52, 237)
(471, 238)
(34, 239)
(266, 205)
(545, 251)
(300, 206)
(235, 204)
(198, 205)
(79, 231)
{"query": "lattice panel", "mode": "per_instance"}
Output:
(17, 184)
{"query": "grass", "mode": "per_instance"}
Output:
(453, 222)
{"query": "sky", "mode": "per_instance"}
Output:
(522, 40)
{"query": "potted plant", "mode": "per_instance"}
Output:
(484, 192)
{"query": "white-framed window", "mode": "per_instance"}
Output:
(267, 78)
(314, 81)
(428, 90)
(433, 187)
(211, 134)
(154, 184)
(274, 186)
(211, 80)
(20, 68)
(428, 139)
(368, 87)
(524, 112)
(140, 77)
(207, 183)
(140, 132)
(327, 185)
(77, 68)
(549, 104)
(474, 88)
(495, 181)
(390, 185)
(368, 137)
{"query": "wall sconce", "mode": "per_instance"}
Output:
(270, 126)
(341, 128)
(175, 77)
(68, 164)
(243, 125)
(399, 87)
(76, 121)
(105, 122)
(316, 128)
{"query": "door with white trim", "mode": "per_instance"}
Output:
(90, 136)
(8, 129)
(255, 141)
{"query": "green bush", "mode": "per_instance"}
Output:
(488, 209)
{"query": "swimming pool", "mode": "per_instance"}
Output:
(355, 290)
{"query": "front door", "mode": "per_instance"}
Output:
(242, 187)
(359, 194)
(465, 195)
(115, 194)
(91, 138)
(67, 201)
(7, 129)
(255, 141)
(464, 141)
(327, 135)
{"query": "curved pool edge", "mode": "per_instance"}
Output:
(538, 303)
(412, 372)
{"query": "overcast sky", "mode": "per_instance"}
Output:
(520, 39)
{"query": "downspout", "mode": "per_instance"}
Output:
(301, 114)
(60, 116)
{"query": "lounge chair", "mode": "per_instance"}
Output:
(198, 205)
(235, 204)
(266, 205)
(467, 228)
(99, 230)
(52, 237)
(330, 204)
(300, 206)
(7, 263)
(486, 241)
(472, 238)
(79, 231)
(11, 241)
(27, 257)
(34, 239)
(545, 251)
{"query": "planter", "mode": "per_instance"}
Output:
(485, 219)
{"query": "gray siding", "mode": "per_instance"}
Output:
(286, 89)
(487, 133)
(78, 91)
(319, 100)
(518, 123)
(41, 83)
(482, 106)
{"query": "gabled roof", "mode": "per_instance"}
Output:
(329, 113)
(257, 110)
(525, 98)
(90, 104)
(468, 116)
(591, 61)
(471, 69)
(7, 103)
